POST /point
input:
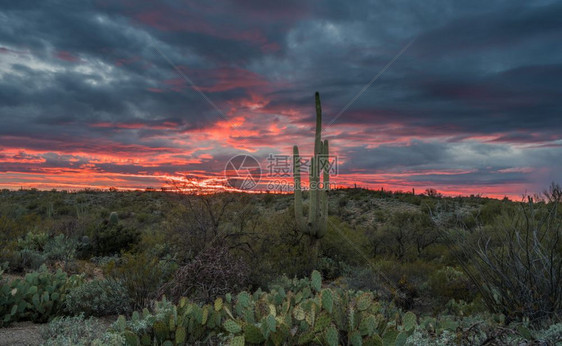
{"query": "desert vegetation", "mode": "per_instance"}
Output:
(365, 268)
(233, 268)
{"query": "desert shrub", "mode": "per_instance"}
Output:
(405, 293)
(214, 272)
(490, 210)
(75, 330)
(26, 259)
(33, 241)
(440, 253)
(36, 249)
(110, 239)
(405, 236)
(332, 268)
(481, 329)
(198, 219)
(98, 298)
(38, 297)
(551, 335)
(156, 243)
(10, 228)
(517, 268)
(103, 261)
(280, 249)
(60, 248)
(70, 226)
(449, 283)
(142, 276)
(462, 308)
(367, 279)
(344, 244)
(392, 281)
(417, 272)
(425, 337)
(404, 283)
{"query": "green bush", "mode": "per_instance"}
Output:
(75, 330)
(213, 272)
(415, 273)
(35, 249)
(450, 283)
(98, 298)
(279, 250)
(405, 236)
(462, 308)
(516, 262)
(366, 279)
(28, 252)
(142, 276)
(550, 336)
(110, 239)
(60, 248)
(33, 241)
(332, 268)
(343, 243)
(27, 259)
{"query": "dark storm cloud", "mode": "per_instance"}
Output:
(484, 71)
(88, 77)
(491, 30)
(392, 157)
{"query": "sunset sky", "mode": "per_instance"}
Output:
(467, 96)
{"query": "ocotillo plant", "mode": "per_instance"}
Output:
(317, 224)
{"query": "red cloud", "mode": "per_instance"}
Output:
(218, 80)
(66, 56)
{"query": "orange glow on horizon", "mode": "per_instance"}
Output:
(201, 182)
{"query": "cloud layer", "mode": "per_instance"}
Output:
(134, 93)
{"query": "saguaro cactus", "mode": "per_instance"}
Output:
(317, 224)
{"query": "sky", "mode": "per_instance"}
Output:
(461, 96)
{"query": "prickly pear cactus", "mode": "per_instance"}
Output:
(316, 280)
(38, 297)
(331, 316)
(232, 327)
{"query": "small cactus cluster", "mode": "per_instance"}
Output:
(38, 297)
(317, 224)
(311, 315)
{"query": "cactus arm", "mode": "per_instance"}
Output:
(323, 218)
(312, 193)
(314, 212)
(318, 134)
(326, 155)
(299, 216)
